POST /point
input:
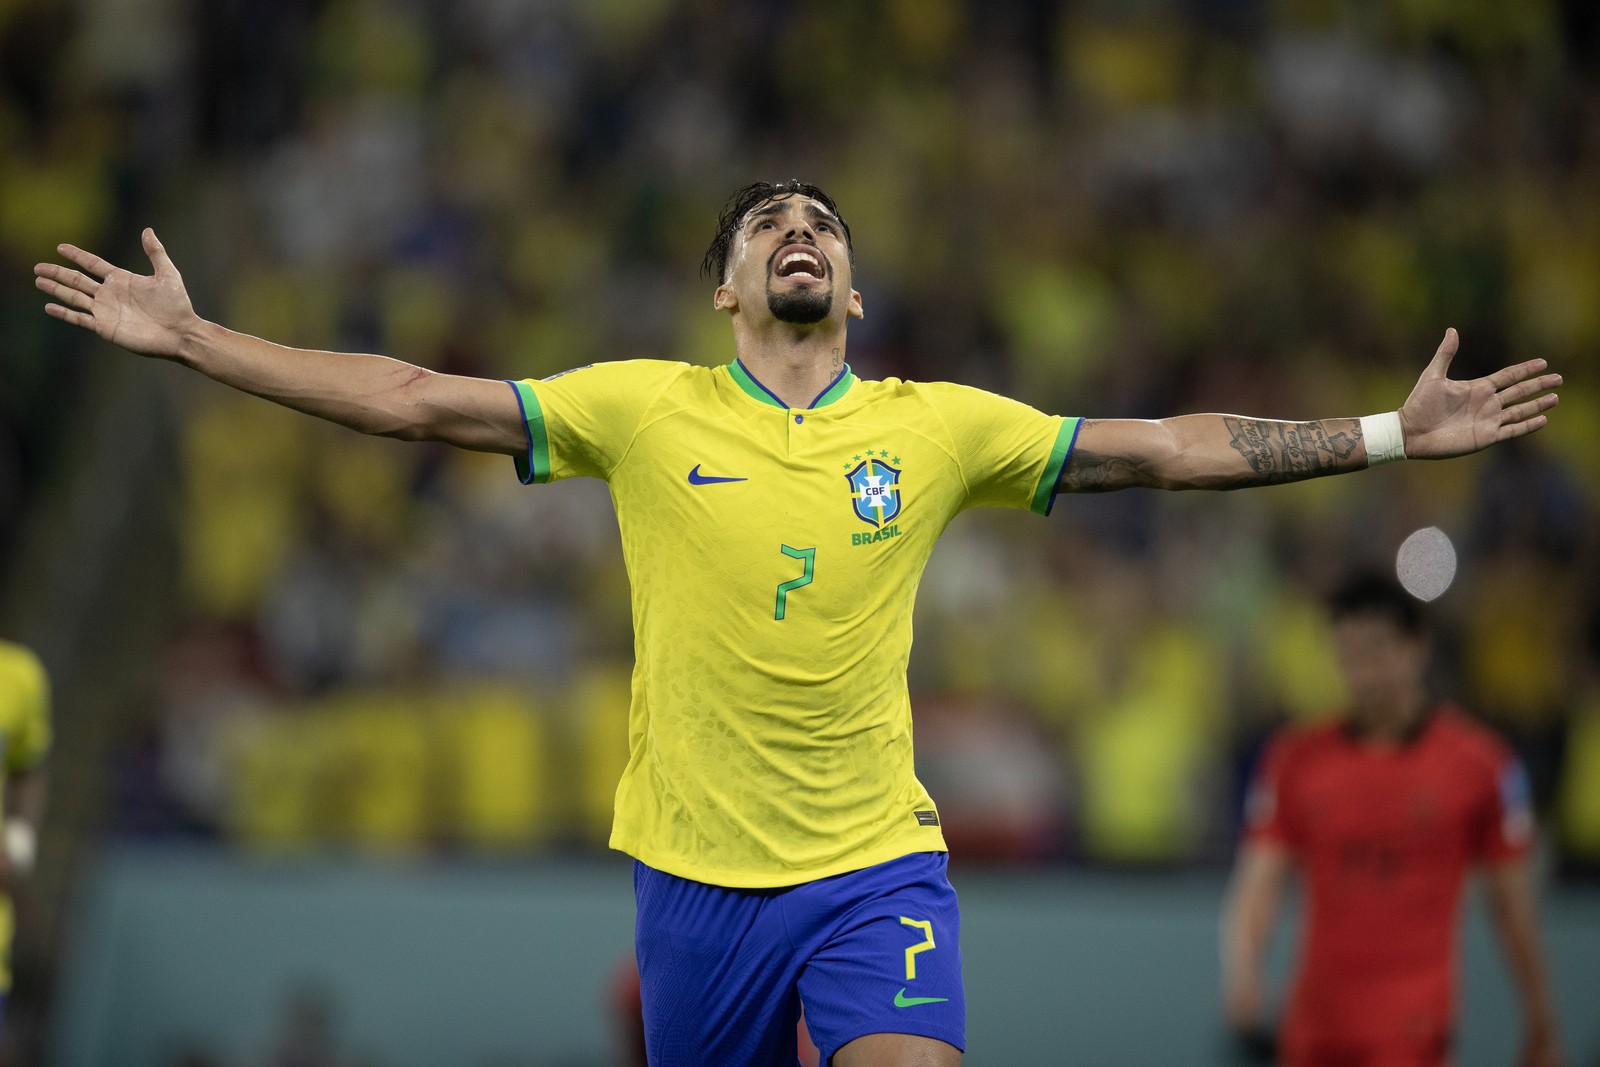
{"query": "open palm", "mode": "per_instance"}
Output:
(1443, 418)
(148, 314)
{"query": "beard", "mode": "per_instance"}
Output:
(800, 307)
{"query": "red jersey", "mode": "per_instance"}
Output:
(1384, 836)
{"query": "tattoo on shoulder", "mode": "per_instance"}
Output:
(1291, 451)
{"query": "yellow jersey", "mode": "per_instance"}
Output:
(24, 740)
(774, 555)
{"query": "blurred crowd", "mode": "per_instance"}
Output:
(1108, 209)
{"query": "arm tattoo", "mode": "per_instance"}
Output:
(1291, 451)
(1087, 471)
(1273, 453)
(1091, 472)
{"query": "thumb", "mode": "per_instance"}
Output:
(157, 252)
(1439, 367)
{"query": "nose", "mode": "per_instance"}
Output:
(799, 231)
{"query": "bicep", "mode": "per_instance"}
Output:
(1509, 883)
(481, 414)
(1255, 892)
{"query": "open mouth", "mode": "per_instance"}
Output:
(799, 260)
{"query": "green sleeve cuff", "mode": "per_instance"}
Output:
(1044, 494)
(534, 467)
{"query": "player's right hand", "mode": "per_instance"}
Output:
(148, 314)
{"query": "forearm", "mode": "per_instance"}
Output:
(24, 811)
(1512, 905)
(1250, 912)
(26, 795)
(369, 393)
(1246, 931)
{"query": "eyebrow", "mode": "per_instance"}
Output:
(812, 210)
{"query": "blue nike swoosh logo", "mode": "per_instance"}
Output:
(696, 478)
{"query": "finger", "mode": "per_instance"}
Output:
(67, 295)
(1524, 412)
(76, 318)
(1523, 390)
(1521, 429)
(1508, 376)
(74, 279)
(1439, 366)
(157, 252)
(87, 260)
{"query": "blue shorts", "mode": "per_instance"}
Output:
(723, 972)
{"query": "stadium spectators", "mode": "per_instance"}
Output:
(1089, 210)
(25, 735)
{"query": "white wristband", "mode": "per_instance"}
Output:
(1386, 441)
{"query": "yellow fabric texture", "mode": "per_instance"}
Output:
(768, 751)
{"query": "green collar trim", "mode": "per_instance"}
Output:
(753, 387)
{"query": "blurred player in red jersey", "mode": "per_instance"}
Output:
(1383, 812)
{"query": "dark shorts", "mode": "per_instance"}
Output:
(724, 972)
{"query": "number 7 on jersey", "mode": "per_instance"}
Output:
(784, 588)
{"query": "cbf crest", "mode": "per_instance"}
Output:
(875, 491)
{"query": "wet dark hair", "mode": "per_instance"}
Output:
(1375, 593)
(746, 200)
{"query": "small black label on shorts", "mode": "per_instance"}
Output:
(927, 818)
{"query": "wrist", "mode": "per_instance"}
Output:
(1385, 437)
(196, 339)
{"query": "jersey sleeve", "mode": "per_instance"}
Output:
(581, 422)
(1268, 810)
(1010, 454)
(1504, 827)
(29, 736)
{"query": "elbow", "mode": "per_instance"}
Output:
(411, 414)
(406, 431)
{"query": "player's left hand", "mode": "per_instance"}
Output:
(1443, 418)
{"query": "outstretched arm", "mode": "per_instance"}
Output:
(1512, 905)
(1441, 418)
(150, 315)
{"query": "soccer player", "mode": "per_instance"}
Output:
(1383, 812)
(24, 741)
(776, 514)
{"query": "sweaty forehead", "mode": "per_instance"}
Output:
(780, 205)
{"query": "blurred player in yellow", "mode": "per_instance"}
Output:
(24, 740)
(776, 514)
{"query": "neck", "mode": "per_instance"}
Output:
(795, 362)
(1391, 723)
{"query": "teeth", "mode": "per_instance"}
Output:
(801, 257)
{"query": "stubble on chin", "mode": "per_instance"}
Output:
(800, 307)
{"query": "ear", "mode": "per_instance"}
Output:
(854, 309)
(724, 299)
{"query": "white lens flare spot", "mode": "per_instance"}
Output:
(1426, 563)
